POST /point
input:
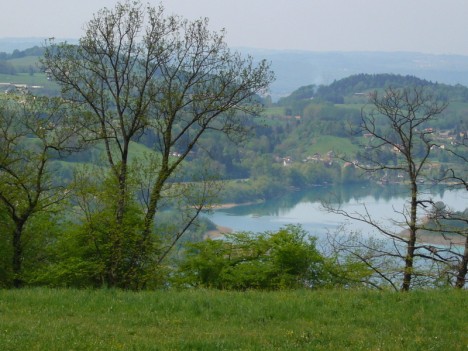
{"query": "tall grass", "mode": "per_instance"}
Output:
(45, 319)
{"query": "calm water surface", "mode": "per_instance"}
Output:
(306, 208)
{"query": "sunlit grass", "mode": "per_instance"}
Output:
(43, 319)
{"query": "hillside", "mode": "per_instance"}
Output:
(307, 130)
(362, 83)
(20, 71)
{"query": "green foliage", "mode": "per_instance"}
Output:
(303, 93)
(286, 259)
(39, 235)
(33, 52)
(260, 188)
(317, 173)
(361, 83)
(94, 249)
(73, 261)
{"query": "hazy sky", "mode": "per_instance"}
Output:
(429, 26)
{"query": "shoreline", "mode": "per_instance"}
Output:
(234, 204)
(437, 239)
(423, 238)
(217, 233)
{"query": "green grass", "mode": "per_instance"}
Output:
(46, 319)
(324, 143)
(25, 78)
(274, 111)
(25, 62)
(137, 151)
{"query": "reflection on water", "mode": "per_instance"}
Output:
(305, 208)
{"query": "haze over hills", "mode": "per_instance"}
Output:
(9, 45)
(298, 68)
(294, 69)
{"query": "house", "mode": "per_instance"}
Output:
(314, 157)
(287, 161)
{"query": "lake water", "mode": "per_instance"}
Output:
(306, 208)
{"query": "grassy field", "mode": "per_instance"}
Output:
(324, 143)
(46, 319)
(38, 79)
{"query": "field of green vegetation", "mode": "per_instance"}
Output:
(47, 319)
(25, 78)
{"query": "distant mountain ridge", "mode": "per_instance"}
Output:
(359, 84)
(295, 69)
(301, 68)
(9, 45)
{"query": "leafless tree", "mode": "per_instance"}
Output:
(138, 71)
(452, 225)
(398, 120)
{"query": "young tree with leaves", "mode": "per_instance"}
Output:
(137, 71)
(33, 130)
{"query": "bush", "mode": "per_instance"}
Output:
(285, 259)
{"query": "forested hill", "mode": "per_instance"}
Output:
(33, 51)
(360, 83)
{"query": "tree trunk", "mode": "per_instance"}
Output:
(114, 275)
(409, 258)
(17, 255)
(463, 268)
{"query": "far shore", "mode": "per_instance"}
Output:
(436, 239)
(220, 230)
(217, 233)
(233, 204)
(424, 237)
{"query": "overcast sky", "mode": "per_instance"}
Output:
(428, 26)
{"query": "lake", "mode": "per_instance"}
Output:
(306, 208)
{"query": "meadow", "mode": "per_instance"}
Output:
(48, 319)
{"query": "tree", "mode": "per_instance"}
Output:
(453, 224)
(398, 121)
(138, 71)
(33, 130)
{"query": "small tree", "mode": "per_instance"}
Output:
(33, 130)
(398, 121)
(454, 224)
(462, 179)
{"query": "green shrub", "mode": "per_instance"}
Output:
(285, 259)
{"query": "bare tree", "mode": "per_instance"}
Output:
(462, 180)
(138, 71)
(398, 121)
(452, 225)
(32, 130)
